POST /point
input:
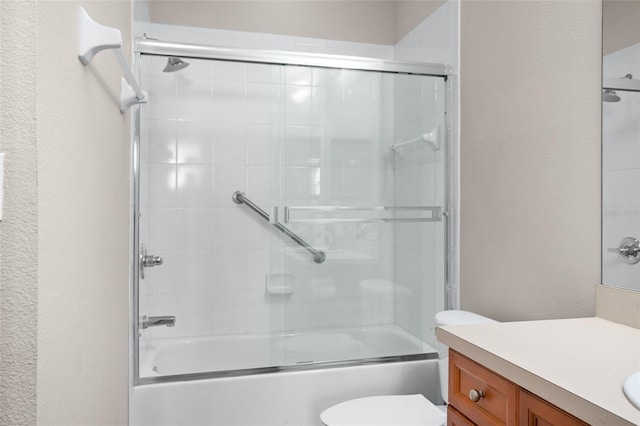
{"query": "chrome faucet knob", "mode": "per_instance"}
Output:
(629, 249)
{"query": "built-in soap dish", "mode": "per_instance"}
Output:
(280, 283)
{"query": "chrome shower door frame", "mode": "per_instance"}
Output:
(143, 46)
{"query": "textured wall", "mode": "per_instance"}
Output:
(18, 236)
(530, 158)
(83, 230)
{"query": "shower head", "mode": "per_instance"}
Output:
(175, 64)
(609, 95)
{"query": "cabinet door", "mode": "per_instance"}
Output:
(454, 418)
(538, 412)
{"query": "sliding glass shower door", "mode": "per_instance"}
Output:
(288, 215)
(361, 180)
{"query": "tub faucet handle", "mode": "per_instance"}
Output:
(629, 249)
(148, 260)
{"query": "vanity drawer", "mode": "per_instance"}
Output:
(538, 412)
(497, 398)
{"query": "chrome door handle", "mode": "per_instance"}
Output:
(629, 249)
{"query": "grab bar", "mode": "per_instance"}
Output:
(239, 198)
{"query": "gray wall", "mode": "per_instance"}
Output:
(530, 158)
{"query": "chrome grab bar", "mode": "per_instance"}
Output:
(238, 197)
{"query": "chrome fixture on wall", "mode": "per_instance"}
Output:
(238, 197)
(168, 320)
(629, 249)
(148, 260)
(610, 95)
(175, 64)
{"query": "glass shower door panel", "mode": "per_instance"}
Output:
(205, 134)
(341, 191)
(621, 189)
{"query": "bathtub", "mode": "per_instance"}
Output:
(291, 395)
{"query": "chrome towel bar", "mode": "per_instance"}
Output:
(239, 198)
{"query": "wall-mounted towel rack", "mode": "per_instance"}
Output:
(335, 214)
(432, 138)
(93, 38)
(238, 197)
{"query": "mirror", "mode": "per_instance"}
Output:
(621, 144)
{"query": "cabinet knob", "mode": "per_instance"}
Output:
(476, 395)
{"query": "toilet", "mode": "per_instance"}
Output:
(403, 410)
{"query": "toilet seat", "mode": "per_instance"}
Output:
(388, 410)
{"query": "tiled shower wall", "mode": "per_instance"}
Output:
(621, 169)
(217, 127)
(242, 160)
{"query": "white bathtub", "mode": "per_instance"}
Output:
(164, 357)
(274, 399)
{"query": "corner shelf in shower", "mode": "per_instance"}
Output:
(430, 138)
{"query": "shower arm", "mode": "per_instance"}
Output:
(239, 198)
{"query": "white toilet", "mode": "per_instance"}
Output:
(403, 410)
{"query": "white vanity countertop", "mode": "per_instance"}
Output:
(578, 364)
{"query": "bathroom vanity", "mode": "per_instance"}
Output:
(555, 372)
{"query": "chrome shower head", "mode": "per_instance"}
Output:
(609, 95)
(175, 64)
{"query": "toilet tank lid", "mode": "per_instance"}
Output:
(460, 318)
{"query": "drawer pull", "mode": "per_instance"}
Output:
(476, 395)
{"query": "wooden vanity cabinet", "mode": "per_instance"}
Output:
(478, 396)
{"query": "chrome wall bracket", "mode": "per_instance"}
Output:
(629, 249)
(148, 260)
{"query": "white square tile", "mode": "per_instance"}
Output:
(298, 106)
(228, 312)
(194, 100)
(168, 277)
(230, 228)
(258, 145)
(258, 103)
(162, 98)
(226, 181)
(195, 186)
(259, 312)
(258, 188)
(229, 71)
(229, 101)
(230, 145)
(195, 141)
(258, 73)
(162, 185)
(295, 75)
(163, 224)
(258, 261)
(258, 230)
(158, 140)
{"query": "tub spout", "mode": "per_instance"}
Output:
(169, 321)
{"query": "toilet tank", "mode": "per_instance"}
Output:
(453, 318)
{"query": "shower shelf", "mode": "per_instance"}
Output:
(434, 214)
(432, 138)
